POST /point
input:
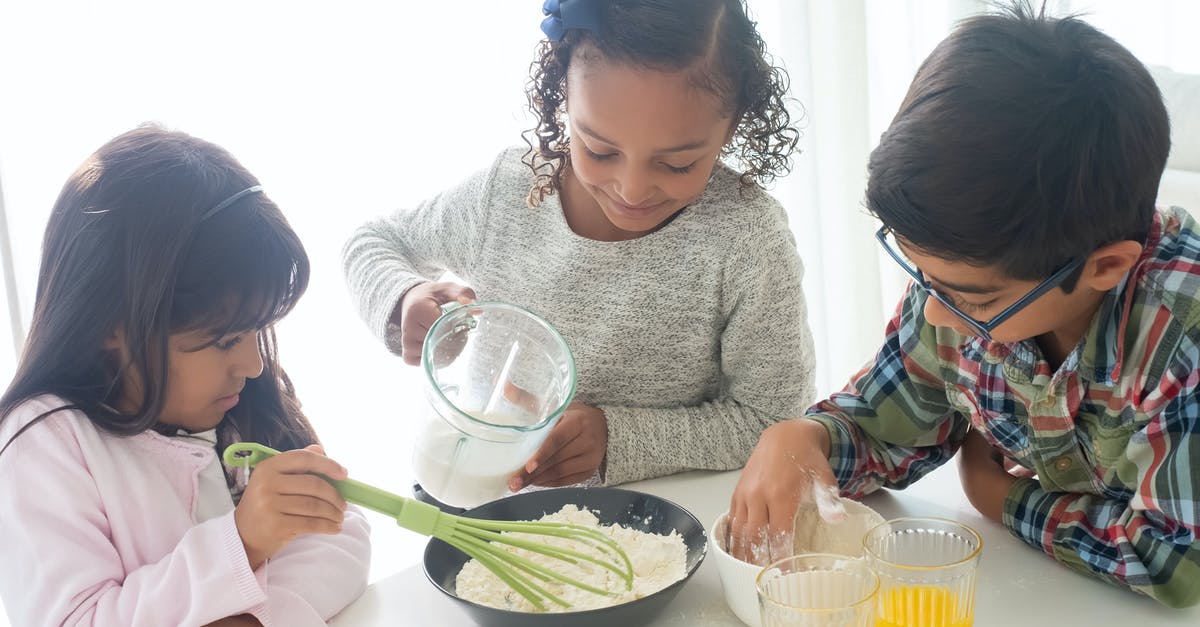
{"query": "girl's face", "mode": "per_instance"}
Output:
(643, 145)
(201, 384)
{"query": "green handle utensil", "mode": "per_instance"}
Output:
(481, 540)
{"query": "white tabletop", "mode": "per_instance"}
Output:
(1017, 585)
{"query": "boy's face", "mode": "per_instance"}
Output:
(643, 142)
(982, 292)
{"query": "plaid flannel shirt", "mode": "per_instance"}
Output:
(1113, 434)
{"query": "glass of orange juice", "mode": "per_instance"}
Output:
(926, 569)
(817, 590)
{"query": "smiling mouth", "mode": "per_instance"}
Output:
(637, 208)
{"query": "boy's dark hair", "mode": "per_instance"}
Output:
(128, 247)
(1024, 142)
(714, 39)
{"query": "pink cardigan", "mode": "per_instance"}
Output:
(98, 530)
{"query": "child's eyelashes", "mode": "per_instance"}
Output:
(228, 344)
(596, 156)
(973, 307)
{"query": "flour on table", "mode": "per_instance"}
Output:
(658, 561)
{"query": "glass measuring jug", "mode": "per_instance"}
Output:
(497, 379)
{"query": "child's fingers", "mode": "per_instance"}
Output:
(414, 329)
(555, 473)
(311, 524)
(305, 461)
(780, 530)
(562, 434)
(781, 518)
(566, 480)
(310, 486)
(309, 507)
(452, 292)
(466, 296)
(747, 535)
(411, 342)
(780, 545)
(539, 469)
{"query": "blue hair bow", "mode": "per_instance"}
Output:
(563, 15)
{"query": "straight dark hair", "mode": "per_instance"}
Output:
(1024, 142)
(128, 247)
(715, 40)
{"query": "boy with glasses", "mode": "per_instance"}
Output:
(1053, 322)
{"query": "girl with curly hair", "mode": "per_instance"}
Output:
(672, 275)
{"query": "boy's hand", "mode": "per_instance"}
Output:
(571, 453)
(285, 498)
(419, 308)
(984, 479)
(790, 463)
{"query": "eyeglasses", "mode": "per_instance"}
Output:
(982, 329)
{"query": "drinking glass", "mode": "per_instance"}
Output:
(817, 590)
(926, 569)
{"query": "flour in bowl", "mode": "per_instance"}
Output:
(658, 561)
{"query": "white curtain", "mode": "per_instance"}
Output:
(851, 62)
(349, 110)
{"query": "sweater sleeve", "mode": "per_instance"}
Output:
(767, 370)
(62, 568)
(299, 585)
(386, 257)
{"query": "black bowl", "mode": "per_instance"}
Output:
(635, 510)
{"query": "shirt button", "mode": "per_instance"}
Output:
(1062, 464)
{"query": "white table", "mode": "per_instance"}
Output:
(1017, 585)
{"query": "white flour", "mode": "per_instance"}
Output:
(813, 534)
(658, 561)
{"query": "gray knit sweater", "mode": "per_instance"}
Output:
(692, 339)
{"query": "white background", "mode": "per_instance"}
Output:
(349, 110)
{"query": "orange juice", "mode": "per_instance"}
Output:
(920, 606)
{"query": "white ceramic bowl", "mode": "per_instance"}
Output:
(738, 578)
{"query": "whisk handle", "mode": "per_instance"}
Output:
(357, 492)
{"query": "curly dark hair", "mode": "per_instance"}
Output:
(715, 40)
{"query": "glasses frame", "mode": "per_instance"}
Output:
(979, 327)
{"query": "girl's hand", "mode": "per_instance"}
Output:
(985, 481)
(790, 463)
(419, 308)
(285, 498)
(571, 453)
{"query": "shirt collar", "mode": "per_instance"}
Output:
(1104, 352)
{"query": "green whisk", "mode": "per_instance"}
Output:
(479, 539)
